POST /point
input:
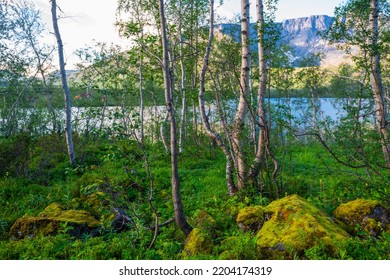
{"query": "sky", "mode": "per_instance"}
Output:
(89, 20)
(286, 8)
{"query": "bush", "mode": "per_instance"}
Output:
(15, 153)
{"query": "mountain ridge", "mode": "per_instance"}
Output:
(302, 35)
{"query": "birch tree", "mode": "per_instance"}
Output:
(177, 203)
(206, 124)
(68, 105)
(263, 137)
(183, 87)
(265, 27)
(359, 29)
(376, 81)
(239, 121)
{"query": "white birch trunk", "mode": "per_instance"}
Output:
(376, 82)
(239, 121)
(206, 124)
(183, 114)
(261, 111)
(141, 96)
(177, 203)
(68, 105)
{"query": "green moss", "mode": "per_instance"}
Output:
(96, 202)
(295, 225)
(250, 218)
(49, 221)
(205, 221)
(198, 242)
(227, 255)
(367, 215)
(33, 226)
(354, 211)
(53, 210)
(78, 217)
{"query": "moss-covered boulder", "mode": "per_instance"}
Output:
(251, 218)
(368, 215)
(227, 256)
(205, 221)
(52, 221)
(198, 243)
(294, 225)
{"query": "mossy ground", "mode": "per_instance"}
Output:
(112, 173)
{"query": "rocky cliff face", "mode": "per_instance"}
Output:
(303, 35)
(308, 26)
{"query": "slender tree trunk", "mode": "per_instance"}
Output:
(195, 123)
(314, 109)
(195, 79)
(141, 95)
(239, 121)
(183, 83)
(163, 132)
(206, 124)
(263, 148)
(177, 203)
(261, 111)
(68, 105)
(376, 82)
(104, 99)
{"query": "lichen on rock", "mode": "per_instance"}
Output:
(295, 225)
(198, 242)
(51, 220)
(204, 220)
(250, 218)
(368, 215)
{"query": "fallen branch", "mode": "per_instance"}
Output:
(171, 220)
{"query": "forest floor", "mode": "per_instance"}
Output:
(113, 175)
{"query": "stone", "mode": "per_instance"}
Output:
(368, 215)
(198, 242)
(294, 225)
(52, 220)
(250, 218)
(204, 220)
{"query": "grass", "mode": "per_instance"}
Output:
(118, 165)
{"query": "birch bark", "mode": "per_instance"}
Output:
(68, 105)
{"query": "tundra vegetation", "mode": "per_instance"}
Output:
(192, 143)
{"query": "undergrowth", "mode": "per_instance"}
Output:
(45, 177)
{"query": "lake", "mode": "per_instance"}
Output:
(297, 112)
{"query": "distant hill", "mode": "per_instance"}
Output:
(70, 74)
(301, 34)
